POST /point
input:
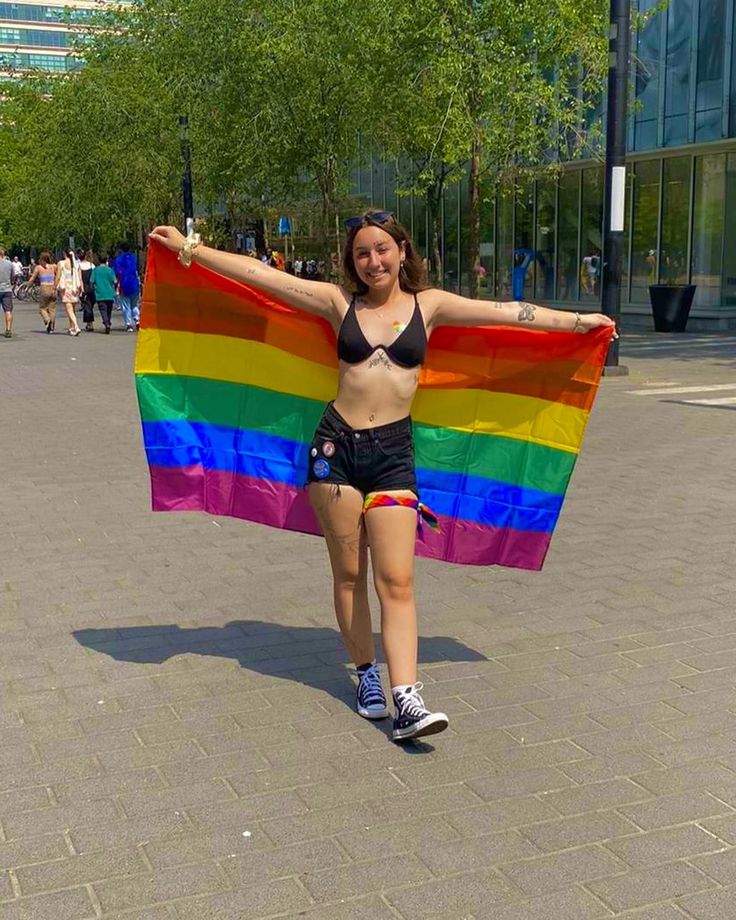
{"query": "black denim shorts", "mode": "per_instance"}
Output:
(377, 459)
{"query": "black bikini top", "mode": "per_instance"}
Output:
(407, 350)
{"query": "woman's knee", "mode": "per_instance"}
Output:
(397, 586)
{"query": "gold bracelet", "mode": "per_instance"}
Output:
(187, 250)
(578, 323)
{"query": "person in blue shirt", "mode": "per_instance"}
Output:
(129, 286)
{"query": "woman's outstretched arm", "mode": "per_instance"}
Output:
(453, 310)
(318, 297)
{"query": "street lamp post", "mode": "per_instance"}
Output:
(615, 185)
(186, 177)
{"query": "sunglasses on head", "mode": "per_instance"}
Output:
(378, 217)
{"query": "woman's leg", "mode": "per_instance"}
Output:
(339, 510)
(392, 533)
(71, 315)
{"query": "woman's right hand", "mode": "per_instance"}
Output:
(172, 238)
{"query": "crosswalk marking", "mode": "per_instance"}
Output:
(667, 391)
(723, 401)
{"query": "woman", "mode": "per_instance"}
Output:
(69, 282)
(86, 266)
(44, 274)
(363, 444)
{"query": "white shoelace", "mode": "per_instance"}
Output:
(411, 703)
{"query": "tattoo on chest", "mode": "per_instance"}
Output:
(300, 290)
(527, 313)
(380, 358)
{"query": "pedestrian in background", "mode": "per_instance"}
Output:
(69, 285)
(104, 283)
(44, 274)
(6, 292)
(86, 265)
(125, 267)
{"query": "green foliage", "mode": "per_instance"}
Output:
(277, 94)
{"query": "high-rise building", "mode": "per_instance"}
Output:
(35, 34)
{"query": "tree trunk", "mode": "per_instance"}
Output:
(474, 229)
(329, 226)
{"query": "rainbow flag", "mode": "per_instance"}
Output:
(232, 383)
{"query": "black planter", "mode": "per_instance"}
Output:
(671, 306)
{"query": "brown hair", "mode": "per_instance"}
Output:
(412, 277)
(45, 257)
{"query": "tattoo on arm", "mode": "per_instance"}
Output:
(300, 290)
(527, 313)
(251, 271)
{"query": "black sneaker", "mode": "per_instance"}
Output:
(413, 719)
(371, 698)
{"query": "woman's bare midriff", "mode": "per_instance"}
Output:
(376, 391)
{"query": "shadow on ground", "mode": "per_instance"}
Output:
(301, 654)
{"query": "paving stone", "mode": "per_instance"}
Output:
(675, 809)
(595, 827)
(72, 904)
(164, 885)
(657, 847)
(76, 870)
(711, 905)
(571, 903)
(284, 897)
(720, 866)
(461, 896)
(596, 796)
(408, 836)
(338, 883)
(543, 874)
(660, 883)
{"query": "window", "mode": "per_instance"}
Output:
(710, 192)
(505, 243)
(35, 37)
(544, 242)
(729, 240)
(487, 243)
(673, 268)
(567, 249)
(450, 234)
(644, 230)
(677, 72)
(591, 236)
(523, 287)
(710, 70)
(648, 67)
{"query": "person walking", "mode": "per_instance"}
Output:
(129, 287)
(362, 479)
(104, 284)
(44, 275)
(6, 292)
(86, 265)
(69, 284)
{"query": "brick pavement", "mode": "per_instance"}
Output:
(176, 733)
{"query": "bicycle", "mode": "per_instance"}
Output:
(24, 290)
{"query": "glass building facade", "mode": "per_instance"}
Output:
(36, 35)
(680, 218)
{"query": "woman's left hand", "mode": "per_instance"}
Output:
(589, 321)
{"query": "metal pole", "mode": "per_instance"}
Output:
(615, 185)
(186, 177)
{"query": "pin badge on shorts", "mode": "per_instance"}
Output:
(321, 469)
(313, 452)
(328, 449)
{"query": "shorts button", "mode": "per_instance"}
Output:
(357, 435)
